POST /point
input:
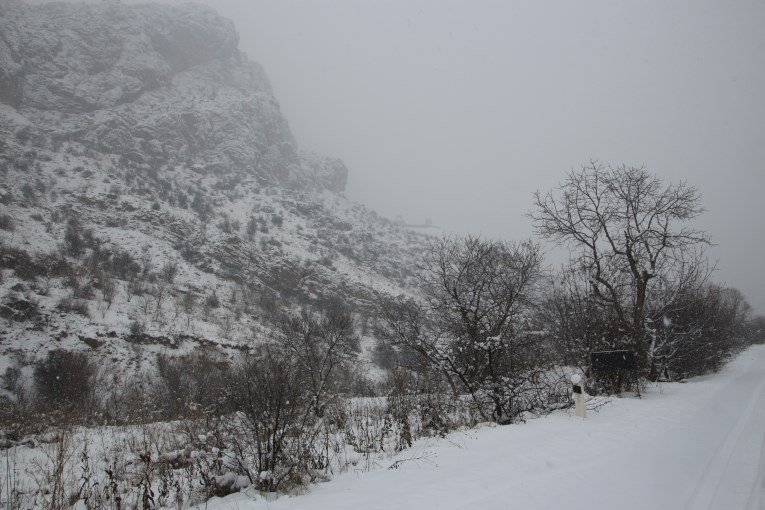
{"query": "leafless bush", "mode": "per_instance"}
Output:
(28, 266)
(64, 381)
(321, 344)
(108, 291)
(168, 271)
(73, 305)
(212, 301)
(6, 223)
(277, 415)
(74, 244)
(135, 288)
(192, 384)
(698, 335)
(145, 303)
(252, 228)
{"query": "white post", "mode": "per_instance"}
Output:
(578, 389)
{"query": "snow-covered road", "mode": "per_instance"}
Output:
(698, 445)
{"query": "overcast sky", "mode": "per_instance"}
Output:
(458, 111)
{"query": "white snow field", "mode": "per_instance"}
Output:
(697, 445)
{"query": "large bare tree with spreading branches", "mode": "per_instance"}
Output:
(630, 229)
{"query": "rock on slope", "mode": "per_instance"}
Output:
(152, 193)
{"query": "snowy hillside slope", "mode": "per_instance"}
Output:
(152, 196)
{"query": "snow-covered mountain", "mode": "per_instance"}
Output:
(151, 192)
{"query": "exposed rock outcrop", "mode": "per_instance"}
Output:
(155, 84)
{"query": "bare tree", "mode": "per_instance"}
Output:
(632, 229)
(272, 401)
(160, 293)
(145, 301)
(108, 291)
(321, 343)
(146, 262)
(572, 319)
(470, 325)
(189, 305)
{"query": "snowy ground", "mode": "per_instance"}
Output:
(698, 445)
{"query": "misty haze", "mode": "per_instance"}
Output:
(336, 254)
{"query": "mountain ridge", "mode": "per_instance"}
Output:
(152, 193)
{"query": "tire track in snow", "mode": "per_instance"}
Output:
(757, 495)
(716, 471)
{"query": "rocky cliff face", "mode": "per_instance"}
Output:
(157, 85)
(153, 197)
